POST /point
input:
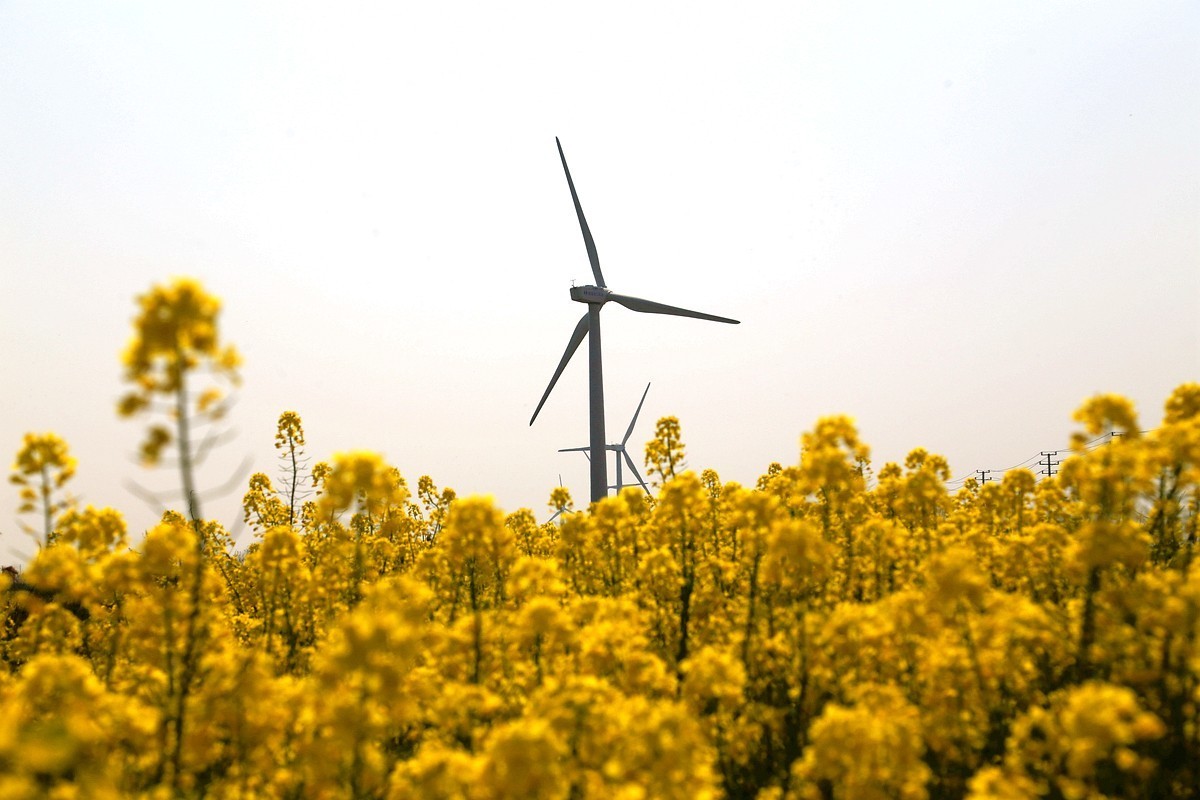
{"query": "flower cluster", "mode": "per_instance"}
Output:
(42, 466)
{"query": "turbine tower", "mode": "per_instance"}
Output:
(620, 450)
(589, 325)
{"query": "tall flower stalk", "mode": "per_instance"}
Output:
(176, 347)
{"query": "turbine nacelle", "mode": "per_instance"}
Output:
(590, 294)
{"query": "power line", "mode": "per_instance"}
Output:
(1047, 459)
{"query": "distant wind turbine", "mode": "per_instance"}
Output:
(559, 512)
(620, 450)
(589, 325)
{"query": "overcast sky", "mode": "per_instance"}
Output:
(952, 221)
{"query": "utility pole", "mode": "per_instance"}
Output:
(1048, 463)
(983, 475)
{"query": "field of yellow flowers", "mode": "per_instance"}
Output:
(831, 632)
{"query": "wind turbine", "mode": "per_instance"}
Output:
(559, 512)
(619, 449)
(589, 325)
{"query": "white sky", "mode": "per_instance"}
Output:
(952, 221)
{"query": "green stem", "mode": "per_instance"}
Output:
(47, 509)
(185, 448)
(295, 478)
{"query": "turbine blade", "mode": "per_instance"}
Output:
(633, 421)
(651, 307)
(636, 474)
(581, 330)
(574, 449)
(587, 233)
